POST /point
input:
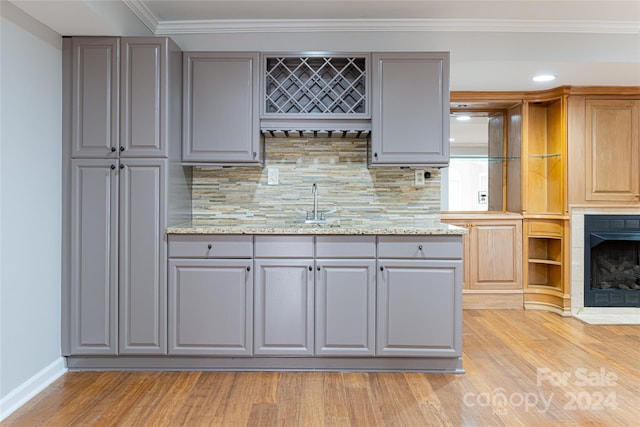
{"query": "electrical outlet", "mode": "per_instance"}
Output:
(419, 177)
(273, 176)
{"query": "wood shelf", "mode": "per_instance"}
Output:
(544, 261)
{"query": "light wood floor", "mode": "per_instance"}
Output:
(523, 368)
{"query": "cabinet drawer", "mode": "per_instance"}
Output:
(546, 228)
(284, 246)
(210, 246)
(345, 247)
(419, 247)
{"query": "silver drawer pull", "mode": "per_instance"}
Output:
(209, 246)
(420, 247)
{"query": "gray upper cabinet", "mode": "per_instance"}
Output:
(123, 96)
(221, 108)
(95, 97)
(410, 109)
(150, 72)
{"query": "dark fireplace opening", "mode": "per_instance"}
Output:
(612, 261)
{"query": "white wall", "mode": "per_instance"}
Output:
(30, 206)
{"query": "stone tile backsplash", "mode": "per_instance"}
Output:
(338, 166)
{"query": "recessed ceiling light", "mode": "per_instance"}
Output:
(463, 118)
(543, 78)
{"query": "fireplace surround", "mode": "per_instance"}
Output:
(612, 260)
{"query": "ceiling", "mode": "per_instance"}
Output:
(494, 45)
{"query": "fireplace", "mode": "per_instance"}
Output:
(612, 260)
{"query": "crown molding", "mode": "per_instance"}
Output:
(221, 26)
(389, 25)
(148, 18)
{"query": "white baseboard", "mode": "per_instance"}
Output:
(34, 385)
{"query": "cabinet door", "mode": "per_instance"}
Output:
(410, 112)
(94, 102)
(419, 308)
(144, 93)
(612, 150)
(284, 307)
(142, 257)
(94, 250)
(345, 307)
(221, 118)
(210, 307)
(495, 255)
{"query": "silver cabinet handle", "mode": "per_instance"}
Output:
(420, 247)
(382, 268)
(209, 246)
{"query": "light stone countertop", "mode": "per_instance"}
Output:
(422, 228)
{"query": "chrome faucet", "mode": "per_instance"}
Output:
(314, 190)
(315, 217)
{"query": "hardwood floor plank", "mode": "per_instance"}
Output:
(111, 407)
(428, 402)
(288, 400)
(82, 401)
(155, 385)
(396, 401)
(240, 399)
(178, 392)
(207, 395)
(335, 398)
(580, 374)
(263, 414)
(311, 398)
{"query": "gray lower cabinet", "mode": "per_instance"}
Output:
(345, 295)
(211, 307)
(93, 293)
(345, 307)
(142, 273)
(410, 109)
(419, 309)
(284, 294)
(117, 278)
(221, 108)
